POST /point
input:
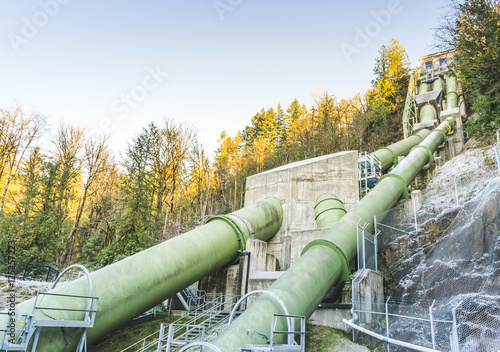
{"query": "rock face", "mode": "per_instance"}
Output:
(454, 259)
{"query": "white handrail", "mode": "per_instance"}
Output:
(388, 339)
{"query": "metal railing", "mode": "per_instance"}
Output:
(19, 331)
(276, 334)
(192, 333)
(400, 320)
(211, 313)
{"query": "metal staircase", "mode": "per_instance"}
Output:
(201, 324)
(189, 299)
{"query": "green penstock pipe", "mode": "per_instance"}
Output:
(389, 155)
(437, 84)
(324, 262)
(451, 91)
(428, 113)
(138, 283)
(424, 88)
(328, 210)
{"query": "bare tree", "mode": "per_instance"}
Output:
(18, 131)
(94, 164)
(68, 144)
(170, 151)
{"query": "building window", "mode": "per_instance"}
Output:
(428, 65)
(443, 62)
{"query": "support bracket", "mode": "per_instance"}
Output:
(443, 133)
(429, 152)
(346, 271)
(394, 156)
(239, 234)
(403, 183)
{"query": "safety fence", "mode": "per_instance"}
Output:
(420, 323)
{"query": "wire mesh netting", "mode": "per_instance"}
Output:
(447, 252)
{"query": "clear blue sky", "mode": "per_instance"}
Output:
(104, 64)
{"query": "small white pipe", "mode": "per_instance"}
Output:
(389, 340)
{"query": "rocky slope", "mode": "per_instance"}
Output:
(453, 258)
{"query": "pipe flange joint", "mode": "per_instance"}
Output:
(247, 223)
(452, 121)
(334, 208)
(346, 271)
(239, 234)
(400, 179)
(429, 152)
(419, 136)
(443, 133)
(452, 92)
(394, 156)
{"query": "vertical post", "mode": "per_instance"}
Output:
(415, 213)
(364, 250)
(355, 308)
(358, 245)
(433, 336)
(387, 320)
(366, 173)
(376, 251)
(454, 332)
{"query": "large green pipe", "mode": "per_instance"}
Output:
(324, 262)
(135, 284)
(388, 155)
(424, 88)
(427, 113)
(328, 210)
(451, 91)
(437, 84)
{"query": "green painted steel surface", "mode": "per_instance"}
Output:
(451, 92)
(303, 286)
(135, 284)
(328, 210)
(424, 88)
(388, 155)
(427, 113)
(437, 84)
